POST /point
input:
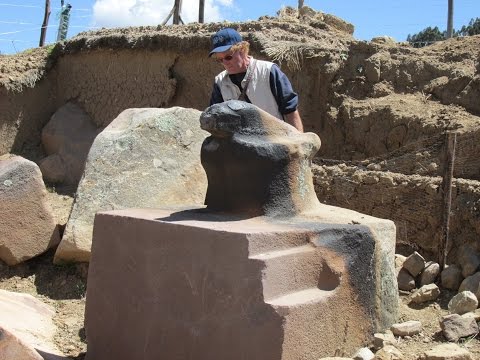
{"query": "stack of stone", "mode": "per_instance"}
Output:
(384, 349)
(466, 275)
(415, 273)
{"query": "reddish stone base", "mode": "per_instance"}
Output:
(196, 285)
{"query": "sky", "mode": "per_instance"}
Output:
(21, 20)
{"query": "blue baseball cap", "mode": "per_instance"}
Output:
(224, 39)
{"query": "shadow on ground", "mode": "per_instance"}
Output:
(58, 282)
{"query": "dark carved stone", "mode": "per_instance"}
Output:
(256, 164)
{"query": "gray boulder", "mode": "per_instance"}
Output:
(405, 281)
(426, 293)
(471, 283)
(469, 260)
(144, 158)
(67, 139)
(407, 328)
(27, 225)
(462, 303)
(451, 277)
(414, 264)
(429, 274)
(456, 326)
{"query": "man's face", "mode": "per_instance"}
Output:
(234, 62)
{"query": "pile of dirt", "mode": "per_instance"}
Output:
(24, 69)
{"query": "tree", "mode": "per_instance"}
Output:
(426, 37)
(429, 35)
(473, 28)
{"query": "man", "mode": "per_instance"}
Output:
(259, 82)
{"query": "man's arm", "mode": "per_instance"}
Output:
(286, 98)
(295, 120)
(216, 96)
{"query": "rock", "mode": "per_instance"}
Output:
(456, 326)
(414, 264)
(53, 169)
(335, 358)
(373, 74)
(306, 13)
(380, 340)
(29, 319)
(407, 328)
(388, 352)
(462, 303)
(27, 226)
(476, 315)
(399, 260)
(151, 250)
(277, 155)
(451, 277)
(447, 352)
(471, 283)
(144, 158)
(67, 139)
(469, 260)
(429, 273)
(364, 354)
(388, 40)
(338, 23)
(405, 280)
(12, 348)
(425, 293)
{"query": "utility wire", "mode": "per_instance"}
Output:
(16, 22)
(39, 7)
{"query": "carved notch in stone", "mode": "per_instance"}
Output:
(255, 163)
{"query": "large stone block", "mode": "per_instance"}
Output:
(144, 158)
(27, 225)
(195, 284)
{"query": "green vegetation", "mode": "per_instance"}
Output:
(429, 35)
(473, 28)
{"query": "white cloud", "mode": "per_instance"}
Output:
(121, 13)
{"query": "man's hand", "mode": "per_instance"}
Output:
(294, 119)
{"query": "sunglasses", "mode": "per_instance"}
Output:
(226, 58)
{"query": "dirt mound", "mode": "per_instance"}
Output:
(24, 69)
(309, 32)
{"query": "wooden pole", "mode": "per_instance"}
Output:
(450, 143)
(201, 11)
(300, 4)
(169, 16)
(43, 31)
(176, 12)
(450, 19)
